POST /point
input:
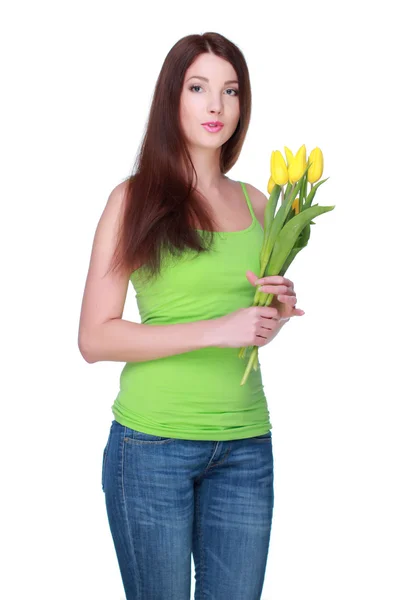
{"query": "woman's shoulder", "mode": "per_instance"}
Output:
(256, 195)
(258, 200)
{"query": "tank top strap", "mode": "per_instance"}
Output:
(248, 200)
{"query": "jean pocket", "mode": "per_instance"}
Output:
(133, 436)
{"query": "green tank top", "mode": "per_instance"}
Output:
(197, 395)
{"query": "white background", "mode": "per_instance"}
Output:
(77, 84)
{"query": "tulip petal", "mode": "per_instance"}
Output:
(279, 171)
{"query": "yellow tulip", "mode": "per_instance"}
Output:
(298, 165)
(271, 184)
(315, 171)
(295, 206)
(289, 155)
(279, 172)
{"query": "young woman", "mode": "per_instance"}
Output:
(188, 464)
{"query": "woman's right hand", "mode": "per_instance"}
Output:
(252, 326)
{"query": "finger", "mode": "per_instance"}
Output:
(287, 299)
(291, 301)
(273, 318)
(276, 279)
(267, 326)
(271, 279)
(251, 276)
(274, 289)
(290, 291)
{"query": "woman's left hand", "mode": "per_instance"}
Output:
(284, 299)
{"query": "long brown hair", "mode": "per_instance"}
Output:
(160, 200)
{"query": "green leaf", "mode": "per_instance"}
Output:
(277, 224)
(312, 192)
(292, 255)
(288, 235)
(303, 238)
(270, 208)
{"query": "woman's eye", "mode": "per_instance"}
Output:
(229, 89)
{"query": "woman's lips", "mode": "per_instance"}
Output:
(214, 129)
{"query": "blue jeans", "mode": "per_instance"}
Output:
(167, 498)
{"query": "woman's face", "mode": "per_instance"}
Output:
(209, 93)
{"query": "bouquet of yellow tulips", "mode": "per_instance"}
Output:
(288, 231)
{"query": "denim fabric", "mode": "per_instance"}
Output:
(167, 498)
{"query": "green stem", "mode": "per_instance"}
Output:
(253, 357)
(261, 299)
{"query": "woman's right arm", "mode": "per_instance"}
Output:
(103, 334)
